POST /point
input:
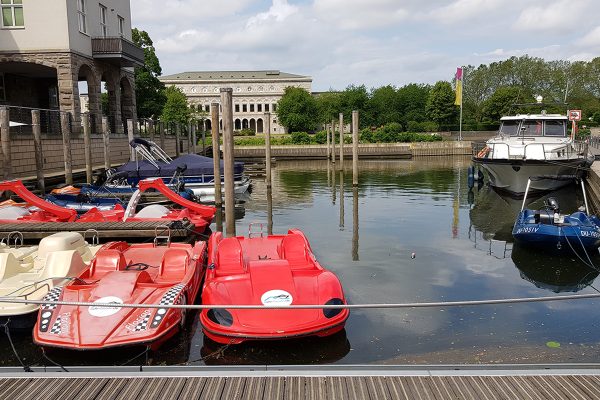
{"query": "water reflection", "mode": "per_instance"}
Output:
(310, 350)
(355, 224)
(553, 272)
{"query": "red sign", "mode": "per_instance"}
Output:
(574, 115)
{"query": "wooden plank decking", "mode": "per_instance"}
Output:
(475, 387)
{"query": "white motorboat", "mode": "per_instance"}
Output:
(531, 145)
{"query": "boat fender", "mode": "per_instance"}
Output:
(483, 152)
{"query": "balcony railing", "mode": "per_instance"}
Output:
(118, 49)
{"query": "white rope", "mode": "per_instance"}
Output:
(440, 304)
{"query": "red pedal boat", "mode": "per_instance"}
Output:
(275, 270)
(124, 274)
(40, 210)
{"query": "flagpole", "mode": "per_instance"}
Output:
(461, 104)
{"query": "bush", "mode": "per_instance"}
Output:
(427, 126)
(366, 135)
(244, 132)
(320, 137)
(250, 141)
(300, 138)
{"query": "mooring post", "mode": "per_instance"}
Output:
(5, 139)
(355, 224)
(177, 150)
(151, 129)
(342, 141)
(226, 103)
(130, 138)
(269, 211)
(161, 132)
(195, 139)
(106, 140)
(216, 150)
(37, 148)
(65, 125)
(87, 144)
(327, 129)
(203, 141)
(332, 149)
(355, 148)
(268, 148)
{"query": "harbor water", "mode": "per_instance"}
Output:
(412, 231)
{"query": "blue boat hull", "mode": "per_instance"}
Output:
(538, 228)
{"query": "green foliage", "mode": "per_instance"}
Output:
(355, 98)
(300, 138)
(297, 110)
(321, 137)
(245, 132)
(328, 106)
(104, 103)
(440, 104)
(149, 91)
(426, 126)
(176, 108)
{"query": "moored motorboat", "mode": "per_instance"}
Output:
(530, 145)
(273, 270)
(146, 273)
(197, 172)
(548, 228)
(30, 272)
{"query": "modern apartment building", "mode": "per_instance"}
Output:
(47, 47)
(254, 93)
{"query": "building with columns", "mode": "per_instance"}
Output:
(254, 93)
(49, 47)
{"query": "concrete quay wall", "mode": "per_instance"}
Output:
(365, 151)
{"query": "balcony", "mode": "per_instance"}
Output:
(117, 50)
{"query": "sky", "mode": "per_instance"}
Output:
(372, 42)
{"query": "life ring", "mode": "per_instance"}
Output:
(484, 152)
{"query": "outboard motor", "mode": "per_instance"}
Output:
(552, 204)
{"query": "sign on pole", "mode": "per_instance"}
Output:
(574, 115)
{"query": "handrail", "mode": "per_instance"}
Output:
(160, 185)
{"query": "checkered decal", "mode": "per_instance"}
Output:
(52, 295)
(56, 327)
(172, 295)
(143, 324)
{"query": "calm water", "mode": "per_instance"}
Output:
(463, 251)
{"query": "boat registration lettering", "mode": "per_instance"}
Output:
(276, 297)
(593, 234)
(527, 229)
(102, 311)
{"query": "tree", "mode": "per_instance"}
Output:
(356, 98)
(385, 105)
(297, 110)
(501, 103)
(328, 106)
(176, 108)
(440, 104)
(149, 91)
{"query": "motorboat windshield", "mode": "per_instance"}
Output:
(530, 127)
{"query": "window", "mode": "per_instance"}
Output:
(251, 107)
(274, 107)
(244, 108)
(12, 13)
(207, 108)
(532, 128)
(259, 107)
(555, 128)
(510, 127)
(266, 108)
(121, 25)
(103, 27)
(81, 16)
(237, 108)
(53, 96)
(2, 91)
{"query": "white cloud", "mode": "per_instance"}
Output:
(359, 14)
(592, 38)
(278, 12)
(462, 10)
(558, 17)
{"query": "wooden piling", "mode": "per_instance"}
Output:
(327, 130)
(130, 138)
(151, 129)
(267, 119)
(37, 148)
(177, 136)
(162, 135)
(269, 211)
(65, 127)
(87, 144)
(355, 148)
(214, 110)
(332, 149)
(227, 104)
(342, 217)
(106, 141)
(194, 138)
(342, 141)
(355, 256)
(5, 139)
(203, 141)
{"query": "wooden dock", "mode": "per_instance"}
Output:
(239, 384)
(106, 230)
